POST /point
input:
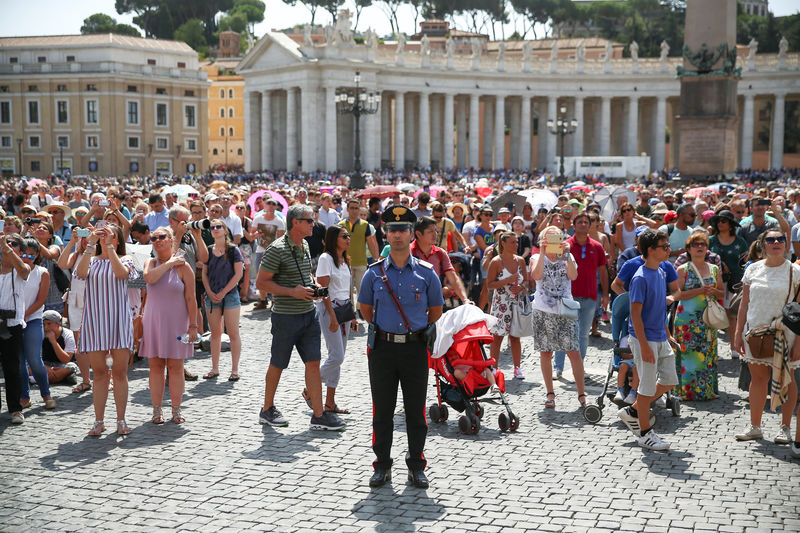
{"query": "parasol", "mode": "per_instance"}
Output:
(281, 200)
(607, 198)
(379, 191)
(539, 198)
(512, 197)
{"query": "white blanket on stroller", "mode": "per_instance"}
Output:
(454, 321)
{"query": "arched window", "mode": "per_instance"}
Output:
(230, 132)
(221, 112)
(239, 151)
(215, 152)
(222, 132)
(222, 93)
(230, 93)
(230, 112)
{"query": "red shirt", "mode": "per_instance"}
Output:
(589, 257)
(438, 258)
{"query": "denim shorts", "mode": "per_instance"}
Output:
(231, 301)
(295, 331)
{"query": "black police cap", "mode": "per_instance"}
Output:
(398, 217)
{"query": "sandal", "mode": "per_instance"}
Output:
(307, 398)
(177, 417)
(550, 403)
(234, 377)
(582, 399)
(158, 417)
(97, 428)
(336, 410)
(122, 428)
(211, 375)
(82, 387)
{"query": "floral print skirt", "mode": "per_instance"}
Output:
(696, 360)
(552, 332)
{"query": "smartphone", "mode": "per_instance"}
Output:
(552, 243)
(100, 224)
(84, 232)
(763, 201)
(2, 225)
(104, 203)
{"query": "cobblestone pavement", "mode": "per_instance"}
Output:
(221, 470)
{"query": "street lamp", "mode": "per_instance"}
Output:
(19, 149)
(562, 127)
(357, 101)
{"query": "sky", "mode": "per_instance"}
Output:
(63, 17)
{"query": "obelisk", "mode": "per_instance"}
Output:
(707, 123)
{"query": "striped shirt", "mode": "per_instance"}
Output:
(291, 266)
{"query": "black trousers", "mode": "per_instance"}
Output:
(405, 364)
(10, 350)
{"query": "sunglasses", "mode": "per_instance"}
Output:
(773, 240)
(699, 244)
(345, 236)
(309, 220)
(161, 237)
(28, 256)
(627, 210)
(217, 226)
(664, 246)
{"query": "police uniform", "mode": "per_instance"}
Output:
(399, 356)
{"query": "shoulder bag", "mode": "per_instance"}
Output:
(714, 315)
(791, 311)
(761, 340)
(521, 318)
(568, 307)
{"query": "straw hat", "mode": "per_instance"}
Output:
(64, 208)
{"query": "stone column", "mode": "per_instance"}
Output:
(660, 127)
(746, 160)
(250, 118)
(577, 142)
(424, 136)
(474, 110)
(552, 111)
(776, 136)
(331, 164)
(514, 116)
(525, 134)
(291, 129)
(266, 130)
(487, 135)
(412, 125)
(447, 142)
(499, 131)
(369, 133)
(386, 130)
(633, 126)
(461, 132)
(399, 131)
(436, 130)
(308, 131)
(605, 125)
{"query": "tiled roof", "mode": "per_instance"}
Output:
(97, 39)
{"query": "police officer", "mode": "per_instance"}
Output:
(400, 296)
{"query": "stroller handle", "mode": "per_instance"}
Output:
(477, 365)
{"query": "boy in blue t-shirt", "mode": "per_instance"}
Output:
(649, 339)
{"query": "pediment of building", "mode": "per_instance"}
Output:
(273, 50)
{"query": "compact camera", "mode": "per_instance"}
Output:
(30, 220)
(104, 203)
(320, 292)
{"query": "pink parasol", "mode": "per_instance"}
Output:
(281, 200)
(433, 190)
(35, 182)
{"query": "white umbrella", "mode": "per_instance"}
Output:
(607, 199)
(182, 190)
(539, 198)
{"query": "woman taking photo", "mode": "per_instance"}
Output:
(508, 278)
(731, 249)
(333, 271)
(76, 298)
(696, 357)
(246, 248)
(554, 274)
(49, 252)
(170, 303)
(107, 323)
(221, 277)
(36, 289)
(765, 286)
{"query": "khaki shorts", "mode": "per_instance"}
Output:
(662, 372)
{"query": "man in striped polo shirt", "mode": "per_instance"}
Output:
(285, 272)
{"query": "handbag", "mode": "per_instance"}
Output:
(344, 313)
(521, 319)
(714, 315)
(761, 342)
(569, 308)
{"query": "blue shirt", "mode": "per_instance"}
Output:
(155, 220)
(416, 286)
(626, 256)
(649, 288)
(632, 265)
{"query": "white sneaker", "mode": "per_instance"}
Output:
(632, 422)
(652, 441)
(618, 397)
(559, 373)
(630, 398)
(753, 432)
(783, 436)
(518, 373)
(17, 418)
(795, 451)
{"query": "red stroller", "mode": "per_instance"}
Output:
(462, 395)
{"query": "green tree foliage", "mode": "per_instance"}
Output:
(161, 18)
(102, 23)
(235, 21)
(192, 32)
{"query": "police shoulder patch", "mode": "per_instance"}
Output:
(425, 264)
(377, 262)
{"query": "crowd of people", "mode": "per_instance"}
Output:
(96, 272)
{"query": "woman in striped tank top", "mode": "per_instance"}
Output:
(107, 325)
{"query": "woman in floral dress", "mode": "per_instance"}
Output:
(696, 358)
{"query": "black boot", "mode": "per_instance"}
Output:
(418, 479)
(380, 477)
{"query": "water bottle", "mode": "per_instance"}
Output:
(109, 361)
(185, 339)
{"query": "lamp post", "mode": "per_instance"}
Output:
(19, 150)
(357, 101)
(562, 127)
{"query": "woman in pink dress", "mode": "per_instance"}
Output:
(170, 303)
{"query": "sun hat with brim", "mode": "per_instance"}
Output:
(660, 209)
(500, 227)
(724, 214)
(464, 209)
(62, 207)
(27, 207)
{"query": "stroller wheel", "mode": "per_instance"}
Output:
(478, 409)
(675, 406)
(476, 425)
(514, 422)
(592, 414)
(444, 411)
(503, 422)
(464, 425)
(435, 413)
